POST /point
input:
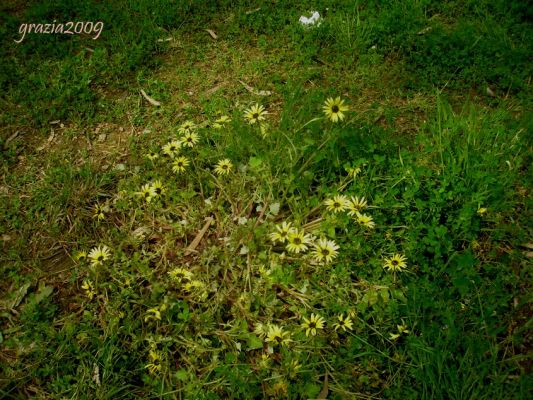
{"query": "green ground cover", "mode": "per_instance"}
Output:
(240, 241)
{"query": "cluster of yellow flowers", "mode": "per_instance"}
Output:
(189, 138)
(154, 366)
(316, 323)
(97, 256)
(184, 278)
(274, 334)
(151, 191)
(87, 285)
(354, 206)
(334, 110)
(156, 358)
(221, 122)
(297, 241)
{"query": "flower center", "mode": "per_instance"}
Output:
(335, 109)
(158, 190)
(325, 252)
(336, 204)
(297, 241)
(395, 262)
(312, 325)
(255, 115)
(224, 167)
(146, 194)
(100, 257)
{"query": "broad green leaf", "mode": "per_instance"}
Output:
(274, 208)
(255, 162)
(181, 374)
(43, 293)
(253, 342)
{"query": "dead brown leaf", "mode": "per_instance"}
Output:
(150, 100)
(256, 92)
(213, 34)
(324, 392)
(196, 241)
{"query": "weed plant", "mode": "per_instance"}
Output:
(356, 233)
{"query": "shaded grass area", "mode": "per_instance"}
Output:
(433, 150)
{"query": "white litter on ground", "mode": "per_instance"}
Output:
(313, 20)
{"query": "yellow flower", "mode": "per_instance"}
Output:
(353, 172)
(395, 263)
(147, 193)
(277, 336)
(325, 250)
(186, 127)
(481, 210)
(197, 284)
(220, 122)
(393, 336)
(337, 203)
(172, 148)
(194, 284)
(402, 329)
(298, 241)
(89, 289)
(365, 220)
(223, 167)
(98, 255)
(294, 368)
(152, 156)
(158, 188)
(180, 274)
(223, 119)
(99, 212)
(344, 323)
(155, 365)
(152, 313)
(179, 165)
(255, 114)
(282, 233)
(311, 325)
(356, 204)
(334, 109)
(190, 139)
(260, 330)
(81, 255)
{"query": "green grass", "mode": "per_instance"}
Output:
(432, 148)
